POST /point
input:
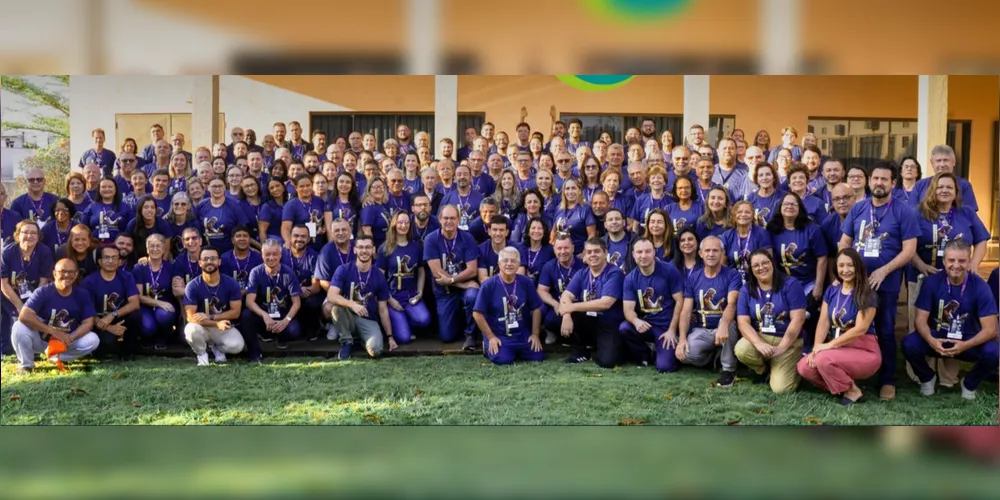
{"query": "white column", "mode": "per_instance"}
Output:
(445, 108)
(778, 23)
(205, 110)
(422, 33)
(696, 99)
(932, 117)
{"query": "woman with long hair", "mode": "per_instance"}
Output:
(179, 171)
(537, 249)
(269, 221)
(545, 185)
(590, 177)
(687, 260)
(767, 197)
(279, 171)
(573, 217)
(845, 345)
(234, 182)
(411, 174)
(80, 249)
(146, 224)
(55, 231)
(508, 195)
(219, 166)
(153, 277)
(107, 216)
(743, 238)
(533, 203)
(763, 141)
(857, 179)
(252, 202)
(375, 216)
(401, 260)
(771, 311)
(716, 219)
(345, 201)
(685, 209)
(180, 217)
(659, 230)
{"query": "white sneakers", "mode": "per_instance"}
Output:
(203, 359)
(927, 388)
(220, 357)
(966, 394)
(331, 332)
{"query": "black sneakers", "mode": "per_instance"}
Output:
(726, 379)
(572, 360)
(470, 343)
(763, 378)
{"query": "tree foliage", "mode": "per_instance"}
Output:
(47, 110)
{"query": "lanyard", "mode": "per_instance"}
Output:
(511, 294)
(744, 248)
(593, 282)
(449, 249)
(961, 292)
(532, 259)
(363, 283)
(871, 213)
(27, 262)
(154, 279)
(837, 303)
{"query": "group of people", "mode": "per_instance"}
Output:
(647, 252)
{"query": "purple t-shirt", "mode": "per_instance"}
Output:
(212, 299)
(653, 294)
(329, 259)
(454, 255)
(274, 293)
(586, 287)
(557, 278)
(879, 243)
(154, 284)
(368, 288)
(400, 269)
(955, 309)
(24, 274)
(508, 307)
(710, 295)
(797, 251)
(65, 313)
(110, 296)
(738, 249)
(770, 312)
(239, 269)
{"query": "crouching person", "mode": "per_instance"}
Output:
(591, 308)
(212, 302)
(55, 311)
(708, 316)
(358, 295)
(509, 313)
(116, 304)
(956, 317)
(651, 290)
(273, 301)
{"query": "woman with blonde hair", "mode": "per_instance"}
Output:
(508, 195)
(401, 260)
(179, 171)
(153, 276)
(744, 238)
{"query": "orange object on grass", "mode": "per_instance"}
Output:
(55, 348)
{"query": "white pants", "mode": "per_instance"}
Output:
(28, 343)
(229, 341)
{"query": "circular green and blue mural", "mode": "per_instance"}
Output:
(595, 83)
(636, 11)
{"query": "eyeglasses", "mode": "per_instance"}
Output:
(180, 204)
(36, 179)
(790, 205)
(209, 259)
(564, 161)
(65, 272)
(123, 160)
(62, 210)
(841, 199)
(110, 258)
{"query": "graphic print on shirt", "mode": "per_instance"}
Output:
(680, 223)
(788, 259)
(761, 215)
(359, 293)
(211, 227)
(511, 311)
(60, 320)
(21, 283)
(647, 303)
(948, 320)
(615, 259)
(867, 233)
(111, 303)
(707, 306)
(765, 315)
(276, 300)
(213, 306)
(404, 270)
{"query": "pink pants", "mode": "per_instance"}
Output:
(837, 369)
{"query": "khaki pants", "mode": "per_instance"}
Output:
(784, 370)
(946, 369)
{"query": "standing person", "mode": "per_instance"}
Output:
(179, 218)
(107, 216)
(943, 159)
(154, 279)
(743, 238)
(57, 311)
(956, 318)
(105, 158)
(309, 210)
(273, 302)
(909, 174)
(36, 203)
(452, 258)
(573, 217)
(358, 295)
(771, 311)
(730, 174)
(885, 234)
(766, 199)
(25, 266)
(845, 348)
(212, 302)
(463, 197)
(650, 296)
(708, 325)
(511, 326)
(401, 260)
(656, 198)
(593, 298)
(116, 305)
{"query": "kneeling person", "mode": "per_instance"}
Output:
(509, 313)
(652, 289)
(55, 311)
(116, 302)
(594, 294)
(212, 302)
(273, 301)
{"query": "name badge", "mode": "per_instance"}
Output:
(103, 234)
(312, 229)
(273, 311)
(767, 324)
(955, 330)
(873, 247)
(592, 313)
(24, 290)
(512, 324)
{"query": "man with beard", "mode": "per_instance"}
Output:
(238, 262)
(651, 293)
(273, 302)
(446, 147)
(885, 234)
(728, 173)
(618, 241)
(452, 258)
(591, 309)
(403, 139)
(423, 222)
(359, 294)
(964, 324)
(187, 266)
(648, 130)
(116, 305)
(334, 254)
(319, 143)
(463, 197)
(707, 323)
(355, 143)
(57, 311)
(212, 302)
(279, 131)
(302, 261)
(523, 141)
(511, 325)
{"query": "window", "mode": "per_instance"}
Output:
(593, 125)
(867, 140)
(383, 125)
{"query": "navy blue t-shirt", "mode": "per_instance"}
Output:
(453, 255)
(154, 284)
(29, 209)
(879, 243)
(843, 310)
(959, 223)
(239, 269)
(105, 221)
(557, 278)
(710, 295)
(575, 222)
(586, 287)
(24, 274)
(968, 194)
(329, 259)
(303, 267)
(738, 249)
(534, 261)
(212, 299)
(368, 288)
(64, 313)
(110, 296)
(468, 206)
(298, 212)
(681, 218)
(274, 292)
(770, 312)
(797, 252)
(508, 307)
(219, 222)
(955, 309)
(653, 294)
(400, 269)
(377, 216)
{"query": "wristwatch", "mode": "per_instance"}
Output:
(114, 314)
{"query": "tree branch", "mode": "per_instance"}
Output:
(35, 93)
(38, 127)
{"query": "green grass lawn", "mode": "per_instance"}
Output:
(441, 390)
